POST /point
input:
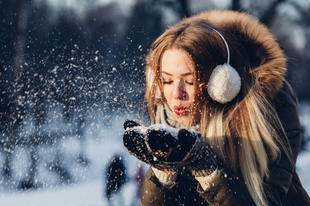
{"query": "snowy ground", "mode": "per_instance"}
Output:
(88, 193)
(89, 185)
(87, 189)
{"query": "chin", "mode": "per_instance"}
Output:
(182, 120)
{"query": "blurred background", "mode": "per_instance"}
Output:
(72, 71)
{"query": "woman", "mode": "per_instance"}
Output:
(224, 130)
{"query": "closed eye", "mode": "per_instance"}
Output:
(190, 83)
(167, 82)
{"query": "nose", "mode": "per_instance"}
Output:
(179, 91)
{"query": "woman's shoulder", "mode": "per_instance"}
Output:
(284, 98)
(285, 105)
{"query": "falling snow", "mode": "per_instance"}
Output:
(62, 108)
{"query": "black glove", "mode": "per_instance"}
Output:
(187, 149)
(134, 139)
(167, 148)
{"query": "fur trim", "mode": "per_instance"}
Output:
(265, 57)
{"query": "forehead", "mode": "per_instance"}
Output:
(176, 61)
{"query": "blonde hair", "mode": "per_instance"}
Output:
(242, 132)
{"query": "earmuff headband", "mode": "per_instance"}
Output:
(224, 83)
(227, 48)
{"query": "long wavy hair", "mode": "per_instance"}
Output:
(242, 132)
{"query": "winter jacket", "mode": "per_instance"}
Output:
(282, 188)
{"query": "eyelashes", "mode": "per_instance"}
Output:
(186, 82)
(189, 83)
(167, 82)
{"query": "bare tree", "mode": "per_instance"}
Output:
(184, 8)
(236, 5)
(16, 106)
(268, 16)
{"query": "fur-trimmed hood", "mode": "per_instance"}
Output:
(265, 56)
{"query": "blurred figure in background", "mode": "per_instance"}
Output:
(116, 178)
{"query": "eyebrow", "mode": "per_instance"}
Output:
(183, 75)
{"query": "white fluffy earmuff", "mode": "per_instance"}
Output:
(225, 82)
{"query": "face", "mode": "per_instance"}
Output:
(177, 72)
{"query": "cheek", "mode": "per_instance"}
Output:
(167, 92)
(192, 94)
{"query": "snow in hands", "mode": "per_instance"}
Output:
(167, 148)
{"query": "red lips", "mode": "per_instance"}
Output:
(180, 110)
